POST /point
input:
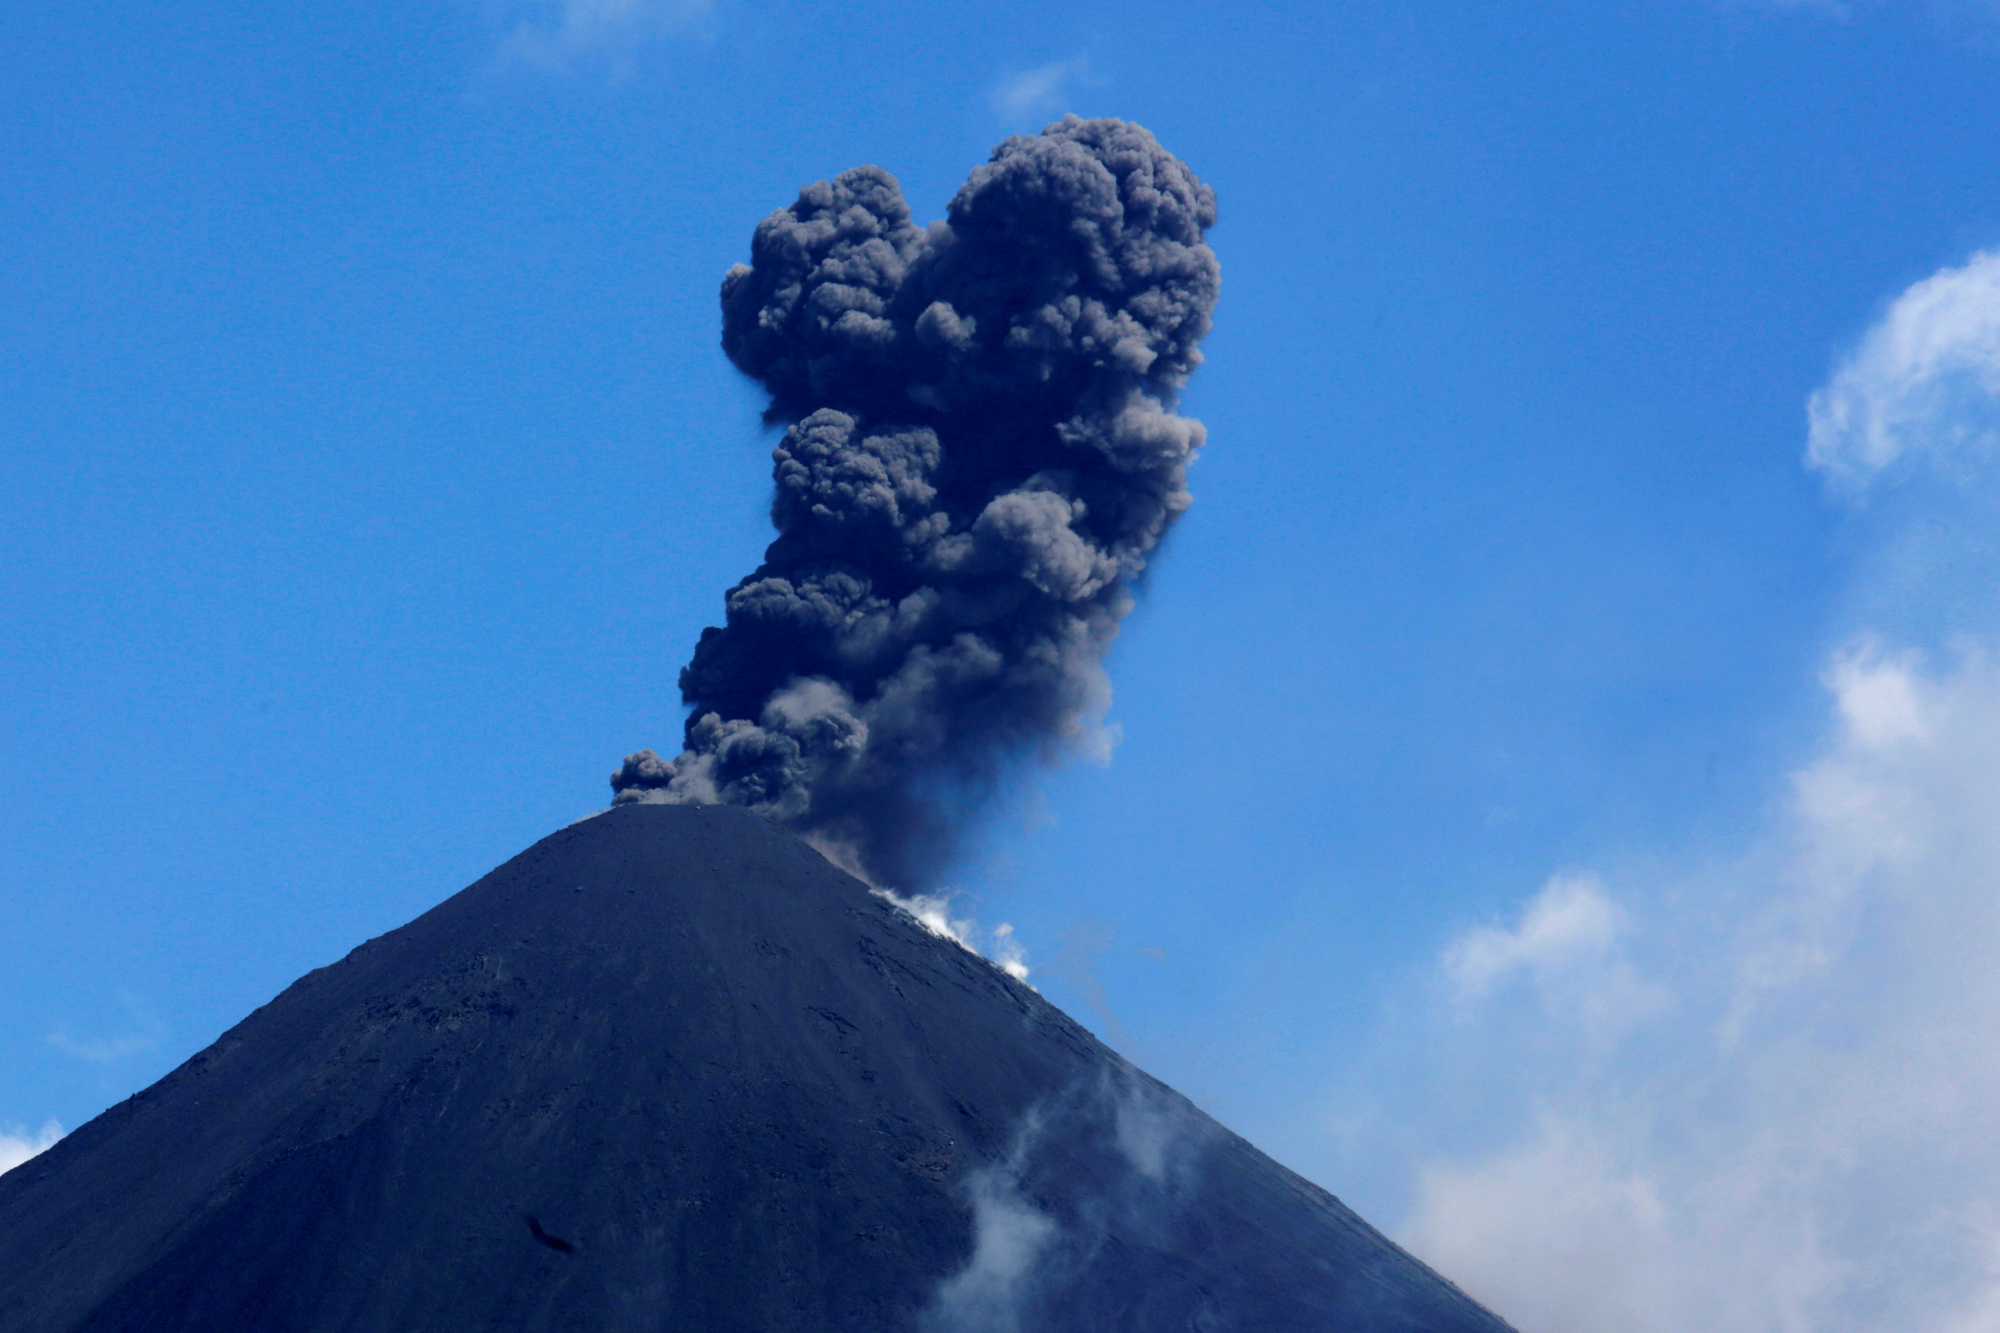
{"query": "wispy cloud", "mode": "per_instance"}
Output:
(572, 36)
(17, 1145)
(102, 1050)
(994, 1291)
(1801, 1140)
(1569, 923)
(147, 1035)
(932, 911)
(1040, 93)
(1024, 1260)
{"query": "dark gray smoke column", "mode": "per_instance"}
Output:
(984, 451)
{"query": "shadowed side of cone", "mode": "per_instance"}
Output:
(670, 1069)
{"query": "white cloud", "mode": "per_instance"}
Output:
(110, 1050)
(1010, 1236)
(1805, 1141)
(1802, 1141)
(932, 911)
(1569, 922)
(1567, 948)
(1878, 696)
(1923, 384)
(1157, 1133)
(104, 1050)
(17, 1145)
(1040, 92)
(1004, 949)
(1022, 1256)
(564, 36)
(1556, 1205)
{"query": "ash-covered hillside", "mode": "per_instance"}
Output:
(670, 1069)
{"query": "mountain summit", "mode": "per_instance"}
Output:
(669, 1069)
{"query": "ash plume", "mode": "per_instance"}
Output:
(982, 453)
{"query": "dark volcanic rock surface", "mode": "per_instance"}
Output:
(670, 1069)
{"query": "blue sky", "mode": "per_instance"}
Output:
(1537, 771)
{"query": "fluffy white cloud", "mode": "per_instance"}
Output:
(1567, 948)
(1923, 384)
(17, 1145)
(1804, 1142)
(1801, 1138)
(1559, 1204)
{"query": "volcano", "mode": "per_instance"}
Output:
(670, 1069)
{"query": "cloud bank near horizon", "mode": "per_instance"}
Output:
(1763, 1095)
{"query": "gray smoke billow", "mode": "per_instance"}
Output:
(982, 452)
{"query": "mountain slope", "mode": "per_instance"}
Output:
(671, 1069)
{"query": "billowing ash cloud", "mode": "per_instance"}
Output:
(983, 452)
